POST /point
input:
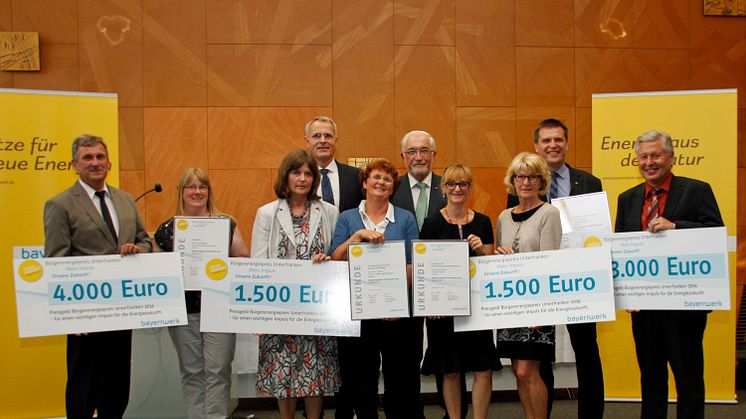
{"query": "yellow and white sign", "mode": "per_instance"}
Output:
(440, 278)
(198, 239)
(36, 133)
(702, 125)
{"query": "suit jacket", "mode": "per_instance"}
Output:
(402, 198)
(690, 204)
(350, 189)
(581, 182)
(275, 217)
(74, 227)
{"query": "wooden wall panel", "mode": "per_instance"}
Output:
(488, 195)
(485, 53)
(59, 69)
(599, 70)
(175, 139)
(424, 22)
(363, 83)
(548, 23)
(174, 70)
(603, 23)
(269, 22)
(660, 23)
(425, 96)
(241, 192)
(269, 75)
(485, 136)
(742, 138)
(6, 18)
(111, 48)
(131, 139)
(544, 76)
(55, 20)
(583, 137)
(133, 182)
(251, 138)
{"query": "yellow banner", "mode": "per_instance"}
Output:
(36, 133)
(702, 125)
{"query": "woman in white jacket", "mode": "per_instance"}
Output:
(298, 225)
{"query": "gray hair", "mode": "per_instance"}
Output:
(320, 118)
(661, 137)
(426, 134)
(87, 140)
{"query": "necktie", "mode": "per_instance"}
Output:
(653, 209)
(554, 187)
(326, 187)
(106, 214)
(421, 209)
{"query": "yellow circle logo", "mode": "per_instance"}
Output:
(420, 248)
(356, 251)
(472, 269)
(592, 241)
(182, 224)
(216, 269)
(30, 271)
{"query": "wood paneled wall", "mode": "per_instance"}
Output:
(228, 84)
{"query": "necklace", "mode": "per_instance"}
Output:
(303, 213)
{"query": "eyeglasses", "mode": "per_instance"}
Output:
(320, 135)
(413, 151)
(522, 178)
(463, 185)
(652, 156)
(193, 188)
(384, 179)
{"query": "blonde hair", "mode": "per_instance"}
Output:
(456, 171)
(201, 175)
(530, 164)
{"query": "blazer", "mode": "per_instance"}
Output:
(276, 216)
(350, 189)
(581, 182)
(74, 227)
(402, 198)
(690, 204)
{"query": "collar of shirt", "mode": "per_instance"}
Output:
(369, 224)
(665, 186)
(92, 192)
(427, 181)
(332, 167)
(563, 172)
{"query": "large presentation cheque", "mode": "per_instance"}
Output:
(280, 296)
(197, 239)
(378, 280)
(540, 288)
(84, 294)
(673, 270)
(440, 277)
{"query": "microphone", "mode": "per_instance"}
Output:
(156, 188)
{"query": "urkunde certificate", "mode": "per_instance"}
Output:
(440, 277)
(585, 219)
(197, 239)
(378, 280)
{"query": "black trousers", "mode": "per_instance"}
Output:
(396, 346)
(98, 374)
(589, 370)
(672, 337)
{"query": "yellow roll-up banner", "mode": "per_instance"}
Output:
(703, 127)
(37, 129)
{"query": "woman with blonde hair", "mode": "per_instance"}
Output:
(204, 357)
(532, 225)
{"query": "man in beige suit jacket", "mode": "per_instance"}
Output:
(92, 218)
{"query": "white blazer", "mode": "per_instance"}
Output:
(276, 216)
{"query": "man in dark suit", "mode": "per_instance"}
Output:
(339, 186)
(92, 218)
(420, 193)
(340, 183)
(550, 142)
(663, 337)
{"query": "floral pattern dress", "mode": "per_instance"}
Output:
(298, 366)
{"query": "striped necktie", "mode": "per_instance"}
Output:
(652, 213)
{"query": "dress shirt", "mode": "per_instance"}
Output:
(333, 179)
(563, 181)
(370, 225)
(97, 203)
(416, 191)
(662, 198)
